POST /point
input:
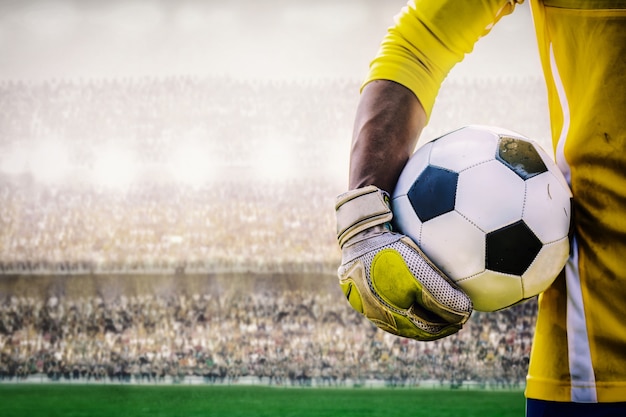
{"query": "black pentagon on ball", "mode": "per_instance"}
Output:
(511, 249)
(521, 157)
(433, 193)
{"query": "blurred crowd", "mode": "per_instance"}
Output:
(222, 227)
(152, 118)
(61, 219)
(58, 218)
(287, 337)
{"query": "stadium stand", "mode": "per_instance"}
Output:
(58, 220)
(286, 337)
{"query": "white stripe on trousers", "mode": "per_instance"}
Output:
(580, 364)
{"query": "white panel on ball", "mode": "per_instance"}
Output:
(547, 198)
(552, 167)
(457, 155)
(455, 245)
(482, 289)
(402, 209)
(490, 195)
(546, 267)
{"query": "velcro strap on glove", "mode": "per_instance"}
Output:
(360, 209)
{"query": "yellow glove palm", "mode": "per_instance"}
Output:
(387, 278)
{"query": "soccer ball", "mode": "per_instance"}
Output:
(489, 208)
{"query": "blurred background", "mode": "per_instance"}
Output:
(168, 173)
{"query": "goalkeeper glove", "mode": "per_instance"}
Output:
(386, 277)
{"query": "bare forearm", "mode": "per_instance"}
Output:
(387, 125)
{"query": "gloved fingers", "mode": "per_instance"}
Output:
(395, 301)
(399, 268)
(406, 323)
(403, 277)
(416, 327)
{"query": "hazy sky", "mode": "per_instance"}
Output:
(277, 39)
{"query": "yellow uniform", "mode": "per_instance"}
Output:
(579, 351)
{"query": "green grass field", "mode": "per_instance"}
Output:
(51, 400)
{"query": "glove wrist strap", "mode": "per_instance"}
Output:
(360, 209)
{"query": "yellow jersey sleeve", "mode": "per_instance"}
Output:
(429, 37)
